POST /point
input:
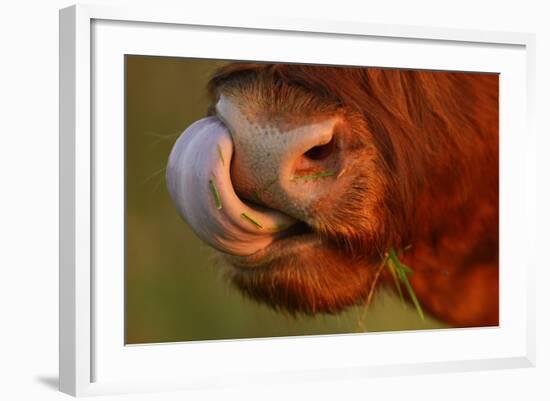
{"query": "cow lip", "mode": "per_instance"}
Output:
(287, 242)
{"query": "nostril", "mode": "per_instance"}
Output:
(321, 152)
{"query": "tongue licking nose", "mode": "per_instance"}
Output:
(199, 182)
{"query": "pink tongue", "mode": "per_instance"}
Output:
(198, 176)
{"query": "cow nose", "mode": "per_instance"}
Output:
(282, 165)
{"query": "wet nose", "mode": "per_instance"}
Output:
(281, 165)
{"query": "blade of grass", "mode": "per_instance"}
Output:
(406, 268)
(412, 295)
(393, 272)
(313, 176)
(251, 220)
(402, 271)
(215, 194)
(220, 154)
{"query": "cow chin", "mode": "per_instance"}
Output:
(303, 274)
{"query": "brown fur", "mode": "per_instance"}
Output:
(424, 147)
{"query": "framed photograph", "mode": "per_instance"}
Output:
(267, 200)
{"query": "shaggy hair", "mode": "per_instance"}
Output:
(424, 151)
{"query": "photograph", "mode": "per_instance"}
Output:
(273, 199)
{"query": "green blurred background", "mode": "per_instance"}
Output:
(174, 292)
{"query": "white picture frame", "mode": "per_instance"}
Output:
(93, 357)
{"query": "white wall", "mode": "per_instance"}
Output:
(29, 185)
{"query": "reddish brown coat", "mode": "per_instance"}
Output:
(436, 136)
